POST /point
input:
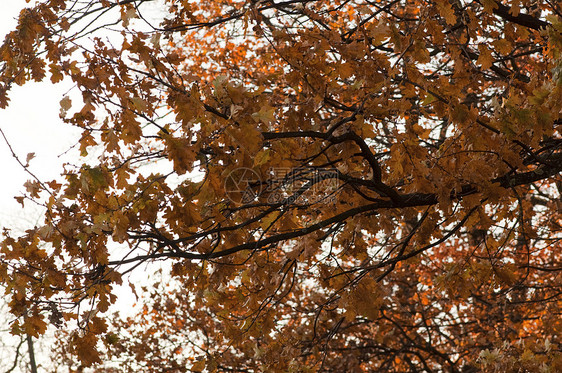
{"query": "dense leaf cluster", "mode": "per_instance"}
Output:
(338, 186)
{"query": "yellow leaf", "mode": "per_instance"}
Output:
(266, 115)
(248, 137)
(56, 75)
(428, 99)
(503, 46)
(262, 157)
(139, 103)
(485, 58)
(379, 32)
(33, 188)
(507, 275)
(65, 105)
(199, 366)
(85, 348)
(35, 326)
(489, 5)
(515, 8)
(269, 219)
(97, 325)
(127, 15)
(20, 200)
(446, 10)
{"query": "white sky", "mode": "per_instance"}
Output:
(32, 124)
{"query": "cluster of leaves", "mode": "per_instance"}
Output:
(346, 185)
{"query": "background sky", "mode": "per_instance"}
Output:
(32, 124)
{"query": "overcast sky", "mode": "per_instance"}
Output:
(31, 123)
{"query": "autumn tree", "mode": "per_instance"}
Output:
(338, 186)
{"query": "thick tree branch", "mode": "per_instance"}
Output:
(406, 200)
(522, 19)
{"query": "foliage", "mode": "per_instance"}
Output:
(336, 186)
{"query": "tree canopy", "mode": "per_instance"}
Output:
(337, 186)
